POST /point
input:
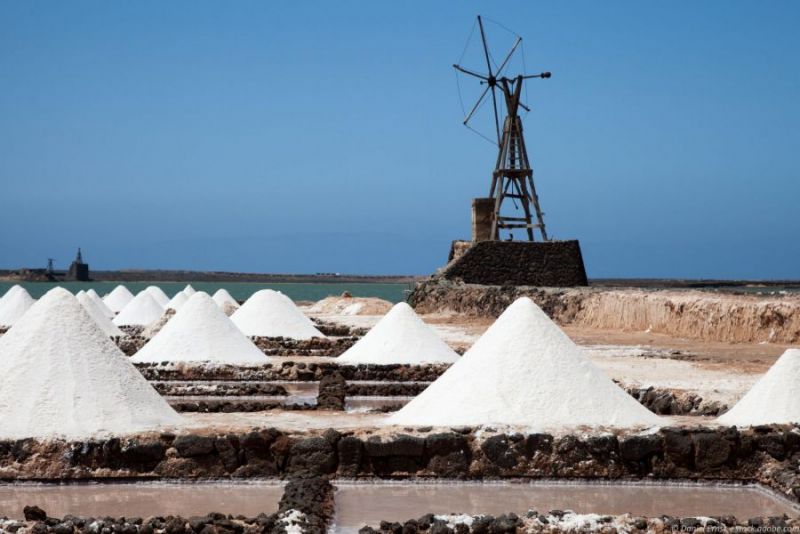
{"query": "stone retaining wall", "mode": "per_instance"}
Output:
(769, 455)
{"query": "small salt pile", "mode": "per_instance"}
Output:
(225, 301)
(201, 332)
(118, 298)
(105, 324)
(63, 377)
(774, 399)
(141, 311)
(189, 290)
(268, 313)
(177, 301)
(14, 305)
(524, 371)
(105, 310)
(400, 337)
(11, 291)
(158, 294)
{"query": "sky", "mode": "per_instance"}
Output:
(326, 136)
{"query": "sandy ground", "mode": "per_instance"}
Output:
(716, 371)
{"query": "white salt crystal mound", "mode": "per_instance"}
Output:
(774, 399)
(118, 298)
(177, 301)
(105, 324)
(143, 310)
(268, 313)
(399, 337)
(524, 371)
(63, 377)
(224, 299)
(189, 290)
(158, 294)
(105, 310)
(201, 332)
(14, 306)
(11, 291)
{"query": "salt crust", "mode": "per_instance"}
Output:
(63, 377)
(400, 337)
(268, 313)
(524, 371)
(200, 331)
(774, 399)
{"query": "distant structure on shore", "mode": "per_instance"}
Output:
(493, 257)
(78, 270)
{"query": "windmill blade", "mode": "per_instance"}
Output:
(485, 47)
(471, 73)
(508, 57)
(477, 105)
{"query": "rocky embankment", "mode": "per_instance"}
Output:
(703, 315)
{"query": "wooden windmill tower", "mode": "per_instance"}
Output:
(512, 178)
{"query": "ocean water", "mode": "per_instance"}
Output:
(239, 290)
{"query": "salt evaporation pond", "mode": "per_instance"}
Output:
(359, 504)
(141, 499)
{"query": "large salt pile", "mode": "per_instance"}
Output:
(524, 371)
(774, 399)
(200, 331)
(118, 298)
(105, 324)
(400, 337)
(105, 310)
(62, 376)
(177, 301)
(225, 301)
(268, 313)
(14, 305)
(158, 294)
(141, 311)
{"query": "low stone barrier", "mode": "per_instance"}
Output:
(769, 455)
(278, 346)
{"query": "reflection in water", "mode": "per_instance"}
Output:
(141, 499)
(367, 504)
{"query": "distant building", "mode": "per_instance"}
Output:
(78, 271)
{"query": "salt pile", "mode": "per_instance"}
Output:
(268, 313)
(189, 290)
(141, 311)
(62, 376)
(774, 399)
(200, 331)
(11, 291)
(177, 301)
(105, 310)
(118, 298)
(225, 301)
(13, 306)
(524, 371)
(158, 294)
(400, 337)
(96, 313)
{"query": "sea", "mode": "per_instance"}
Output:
(395, 292)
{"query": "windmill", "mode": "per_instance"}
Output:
(513, 176)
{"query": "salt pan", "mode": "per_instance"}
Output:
(14, 305)
(268, 313)
(774, 399)
(200, 331)
(400, 337)
(118, 298)
(63, 377)
(141, 311)
(524, 371)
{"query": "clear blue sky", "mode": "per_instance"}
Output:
(311, 136)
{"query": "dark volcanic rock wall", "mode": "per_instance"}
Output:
(520, 263)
